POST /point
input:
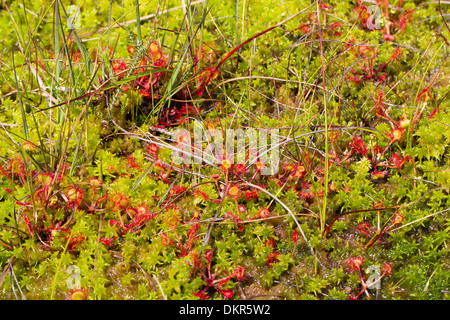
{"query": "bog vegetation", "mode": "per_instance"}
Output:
(92, 205)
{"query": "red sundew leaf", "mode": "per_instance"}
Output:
(193, 230)
(202, 194)
(132, 163)
(227, 294)
(107, 241)
(3, 172)
(424, 91)
(387, 268)
(199, 91)
(379, 174)
(239, 273)
(364, 228)
(176, 190)
(270, 243)
(201, 295)
(433, 113)
(75, 241)
(251, 195)
(383, 77)
(271, 258)
(354, 79)
(305, 28)
(114, 222)
(388, 37)
(356, 263)
(324, 6)
(295, 236)
(359, 145)
(336, 25)
(152, 149)
(208, 256)
(23, 203)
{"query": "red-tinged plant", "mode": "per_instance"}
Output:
(4, 172)
(176, 190)
(365, 228)
(226, 165)
(78, 294)
(377, 235)
(75, 241)
(314, 19)
(166, 240)
(400, 24)
(251, 194)
(237, 220)
(74, 196)
(119, 68)
(29, 147)
(298, 172)
(305, 28)
(259, 165)
(295, 236)
(396, 135)
(192, 237)
(120, 201)
(202, 194)
(132, 163)
(363, 15)
(212, 280)
(356, 263)
(291, 174)
(239, 169)
(207, 55)
(358, 146)
(262, 214)
(272, 257)
(356, 266)
(17, 169)
(392, 24)
(397, 162)
(97, 205)
(107, 241)
(366, 58)
(234, 191)
(376, 174)
(294, 239)
(206, 77)
(388, 37)
(387, 269)
(380, 108)
(214, 71)
(153, 150)
(147, 85)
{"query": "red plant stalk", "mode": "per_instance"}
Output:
(251, 39)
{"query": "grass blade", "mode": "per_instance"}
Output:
(22, 109)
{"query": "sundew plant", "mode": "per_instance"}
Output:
(243, 150)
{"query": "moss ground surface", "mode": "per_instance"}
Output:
(93, 205)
